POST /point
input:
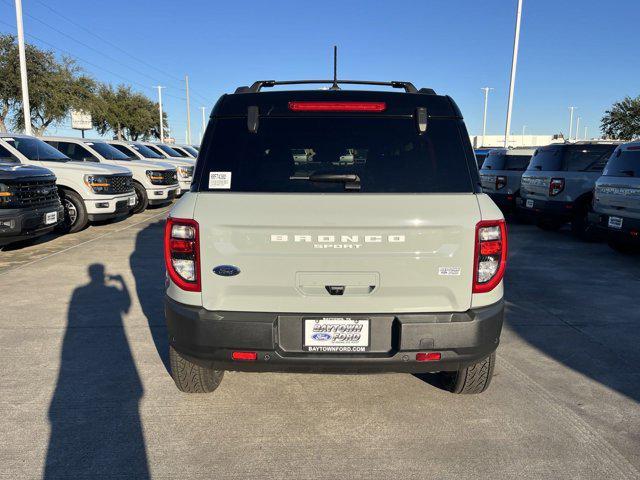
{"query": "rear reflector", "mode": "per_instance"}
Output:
(247, 356)
(337, 106)
(428, 356)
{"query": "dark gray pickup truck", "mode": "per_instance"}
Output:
(29, 202)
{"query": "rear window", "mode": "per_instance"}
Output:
(387, 154)
(575, 158)
(546, 159)
(494, 161)
(623, 163)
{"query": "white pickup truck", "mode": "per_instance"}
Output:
(155, 183)
(89, 191)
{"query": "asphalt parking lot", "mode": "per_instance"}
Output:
(84, 391)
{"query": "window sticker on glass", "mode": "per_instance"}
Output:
(220, 180)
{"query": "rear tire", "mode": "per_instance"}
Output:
(142, 200)
(473, 379)
(192, 378)
(75, 212)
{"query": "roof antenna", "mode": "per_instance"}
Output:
(335, 69)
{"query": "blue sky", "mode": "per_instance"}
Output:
(577, 52)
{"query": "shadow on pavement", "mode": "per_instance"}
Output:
(147, 266)
(577, 303)
(94, 413)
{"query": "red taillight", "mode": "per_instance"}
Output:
(428, 356)
(246, 356)
(501, 182)
(182, 253)
(556, 186)
(337, 106)
(490, 259)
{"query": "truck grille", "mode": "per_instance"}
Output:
(119, 184)
(168, 177)
(32, 193)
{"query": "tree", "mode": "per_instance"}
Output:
(55, 87)
(622, 121)
(126, 113)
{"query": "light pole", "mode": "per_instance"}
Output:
(578, 129)
(571, 109)
(484, 116)
(524, 127)
(585, 132)
(161, 116)
(512, 82)
(26, 107)
(186, 79)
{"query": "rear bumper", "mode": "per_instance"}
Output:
(209, 338)
(20, 224)
(630, 228)
(545, 208)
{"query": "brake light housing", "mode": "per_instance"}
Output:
(501, 182)
(490, 258)
(367, 107)
(556, 185)
(182, 253)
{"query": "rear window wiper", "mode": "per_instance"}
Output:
(351, 181)
(628, 173)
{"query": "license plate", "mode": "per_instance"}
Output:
(615, 222)
(50, 218)
(132, 201)
(336, 335)
(529, 203)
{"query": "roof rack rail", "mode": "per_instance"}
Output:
(257, 86)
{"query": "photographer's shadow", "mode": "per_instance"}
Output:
(95, 421)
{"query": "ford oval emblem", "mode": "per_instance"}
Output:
(226, 270)
(321, 336)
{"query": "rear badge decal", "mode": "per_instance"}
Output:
(449, 271)
(226, 270)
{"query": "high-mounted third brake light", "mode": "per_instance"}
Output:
(490, 259)
(337, 106)
(182, 253)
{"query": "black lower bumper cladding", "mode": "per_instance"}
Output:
(209, 338)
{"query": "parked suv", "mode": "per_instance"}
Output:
(617, 198)
(154, 183)
(375, 251)
(557, 187)
(29, 201)
(184, 167)
(89, 191)
(501, 173)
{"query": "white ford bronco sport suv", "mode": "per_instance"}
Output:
(155, 183)
(375, 251)
(89, 191)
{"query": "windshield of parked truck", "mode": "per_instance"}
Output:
(145, 151)
(35, 149)
(109, 152)
(169, 151)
